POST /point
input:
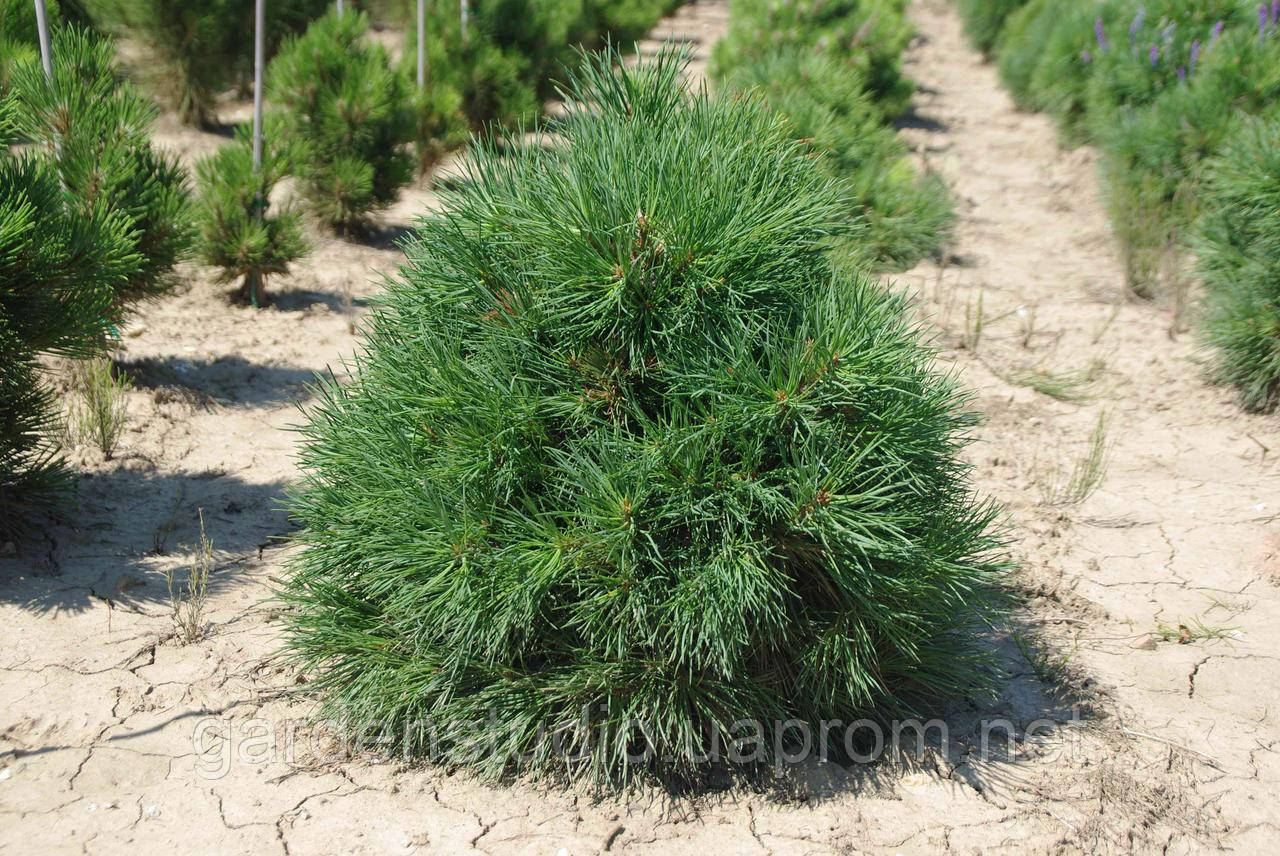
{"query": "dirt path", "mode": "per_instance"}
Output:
(1180, 540)
(102, 707)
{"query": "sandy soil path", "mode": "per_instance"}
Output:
(101, 708)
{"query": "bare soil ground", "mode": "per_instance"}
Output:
(1153, 610)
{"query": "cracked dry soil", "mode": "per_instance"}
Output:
(1155, 599)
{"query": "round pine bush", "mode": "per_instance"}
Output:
(237, 234)
(1238, 248)
(626, 459)
(346, 116)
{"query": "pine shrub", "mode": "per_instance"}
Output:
(61, 267)
(347, 115)
(237, 234)
(503, 71)
(984, 20)
(96, 129)
(196, 49)
(899, 215)
(866, 35)
(1238, 248)
(18, 39)
(627, 458)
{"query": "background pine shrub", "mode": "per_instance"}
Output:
(900, 216)
(96, 129)
(866, 36)
(839, 96)
(238, 234)
(61, 269)
(1238, 248)
(624, 445)
(984, 20)
(196, 49)
(502, 71)
(346, 116)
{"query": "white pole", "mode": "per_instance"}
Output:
(259, 55)
(422, 44)
(463, 7)
(42, 29)
(341, 9)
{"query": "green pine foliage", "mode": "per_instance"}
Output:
(866, 36)
(347, 116)
(61, 267)
(1238, 248)
(839, 103)
(627, 458)
(196, 49)
(900, 216)
(96, 129)
(984, 20)
(18, 38)
(238, 234)
(502, 71)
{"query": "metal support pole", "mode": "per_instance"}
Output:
(422, 44)
(42, 30)
(259, 58)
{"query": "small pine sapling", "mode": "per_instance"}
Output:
(239, 234)
(347, 114)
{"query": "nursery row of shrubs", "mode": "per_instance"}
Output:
(1182, 97)
(195, 50)
(635, 477)
(93, 217)
(833, 68)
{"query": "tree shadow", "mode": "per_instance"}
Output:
(124, 528)
(302, 299)
(915, 121)
(988, 744)
(227, 380)
(382, 236)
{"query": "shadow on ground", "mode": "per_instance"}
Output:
(230, 380)
(124, 528)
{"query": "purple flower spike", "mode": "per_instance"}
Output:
(1262, 23)
(1182, 74)
(1216, 34)
(1099, 33)
(1275, 13)
(1137, 23)
(1155, 55)
(1086, 57)
(1195, 57)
